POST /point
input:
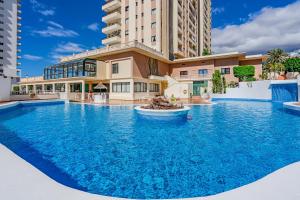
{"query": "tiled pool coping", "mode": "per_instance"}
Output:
(12, 105)
(292, 106)
(20, 180)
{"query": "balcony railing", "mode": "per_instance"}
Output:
(132, 44)
(195, 77)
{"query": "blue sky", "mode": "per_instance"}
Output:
(54, 28)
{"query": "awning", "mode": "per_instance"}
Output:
(100, 86)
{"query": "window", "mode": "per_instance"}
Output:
(126, 33)
(127, 8)
(153, 38)
(140, 87)
(183, 73)
(225, 70)
(153, 11)
(126, 20)
(123, 87)
(115, 68)
(203, 72)
(153, 24)
(153, 87)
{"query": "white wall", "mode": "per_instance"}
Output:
(298, 87)
(5, 88)
(178, 90)
(259, 90)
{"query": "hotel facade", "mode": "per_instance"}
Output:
(152, 47)
(134, 71)
(9, 44)
(177, 28)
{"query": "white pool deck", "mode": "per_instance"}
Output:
(19, 180)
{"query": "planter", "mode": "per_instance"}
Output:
(164, 114)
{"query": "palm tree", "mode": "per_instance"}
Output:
(274, 63)
(276, 56)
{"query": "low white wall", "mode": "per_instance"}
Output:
(259, 90)
(27, 97)
(5, 88)
(298, 87)
(178, 90)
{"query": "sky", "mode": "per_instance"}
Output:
(55, 28)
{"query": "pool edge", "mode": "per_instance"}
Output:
(24, 181)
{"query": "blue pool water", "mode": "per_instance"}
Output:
(112, 151)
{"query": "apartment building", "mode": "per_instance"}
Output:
(134, 71)
(9, 44)
(176, 28)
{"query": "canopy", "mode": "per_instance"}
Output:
(100, 86)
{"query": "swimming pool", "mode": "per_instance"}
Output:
(112, 151)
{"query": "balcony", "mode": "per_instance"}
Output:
(111, 28)
(111, 5)
(111, 18)
(112, 40)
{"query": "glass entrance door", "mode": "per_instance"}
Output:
(196, 88)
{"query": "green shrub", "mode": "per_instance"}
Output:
(244, 72)
(292, 64)
(249, 79)
(217, 82)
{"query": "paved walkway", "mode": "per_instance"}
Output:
(19, 180)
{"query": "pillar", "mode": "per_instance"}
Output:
(53, 87)
(43, 88)
(26, 89)
(83, 91)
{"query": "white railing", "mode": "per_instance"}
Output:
(193, 77)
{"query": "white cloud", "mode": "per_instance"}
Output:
(42, 8)
(32, 57)
(69, 47)
(93, 27)
(218, 10)
(47, 12)
(267, 29)
(65, 49)
(55, 30)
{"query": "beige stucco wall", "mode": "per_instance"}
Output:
(192, 67)
(227, 63)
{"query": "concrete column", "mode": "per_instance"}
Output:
(53, 88)
(43, 88)
(34, 89)
(67, 91)
(83, 91)
(27, 90)
(90, 87)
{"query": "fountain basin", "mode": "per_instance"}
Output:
(177, 113)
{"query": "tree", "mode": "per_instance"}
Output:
(224, 84)
(244, 72)
(275, 61)
(217, 82)
(292, 64)
(206, 52)
(276, 56)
